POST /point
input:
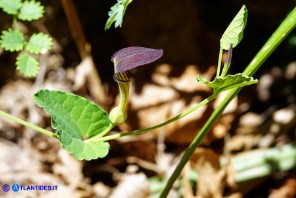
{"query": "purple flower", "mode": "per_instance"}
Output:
(131, 57)
(125, 60)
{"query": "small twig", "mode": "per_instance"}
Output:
(145, 164)
(96, 87)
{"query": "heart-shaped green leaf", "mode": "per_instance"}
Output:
(76, 119)
(220, 84)
(234, 32)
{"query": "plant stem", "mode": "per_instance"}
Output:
(219, 62)
(136, 132)
(27, 124)
(103, 133)
(197, 140)
(277, 37)
(14, 23)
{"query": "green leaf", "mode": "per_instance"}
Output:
(12, 40)
(116, 13)
(39, 43)
(27, 65)
(31, 10)
(76, 119)
(220, 84)
(234, 32)
(10, 6)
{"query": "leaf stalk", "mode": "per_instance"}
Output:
(29, 125)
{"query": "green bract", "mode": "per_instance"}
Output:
(116, 13)
(12, 40)
(234, 32)
(27, 65)
(76, 120)
(220, 84)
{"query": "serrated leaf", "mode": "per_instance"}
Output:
(39, 43)
(220, 84)
(10, 6)
(76, 119)
(116, 13)
(12, 40)
(27, 65)
(234, 32)
(31, 10)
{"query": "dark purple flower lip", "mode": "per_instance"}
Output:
(131, 57)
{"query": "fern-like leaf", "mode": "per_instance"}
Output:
(39, 43)
(12, 40)
(116, 13)
(27, 65)
(31, 10)
(10, 6)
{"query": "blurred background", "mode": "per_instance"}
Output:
(262, 117)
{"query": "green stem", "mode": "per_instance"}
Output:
(27, 124)
(136, 132)
(278, 36)
(14, 23)
(107, 130)
(219, 62)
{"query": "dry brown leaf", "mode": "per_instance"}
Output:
(211, 178)
(27, 171)
(15, 98)
(167, 97)
(11, 153)
(136, 147)
(101, 190)
(69, 169)
(287, 190)
(134, 185)
(243, 142)
(188, 192)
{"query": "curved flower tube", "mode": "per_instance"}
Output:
(125, 60)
